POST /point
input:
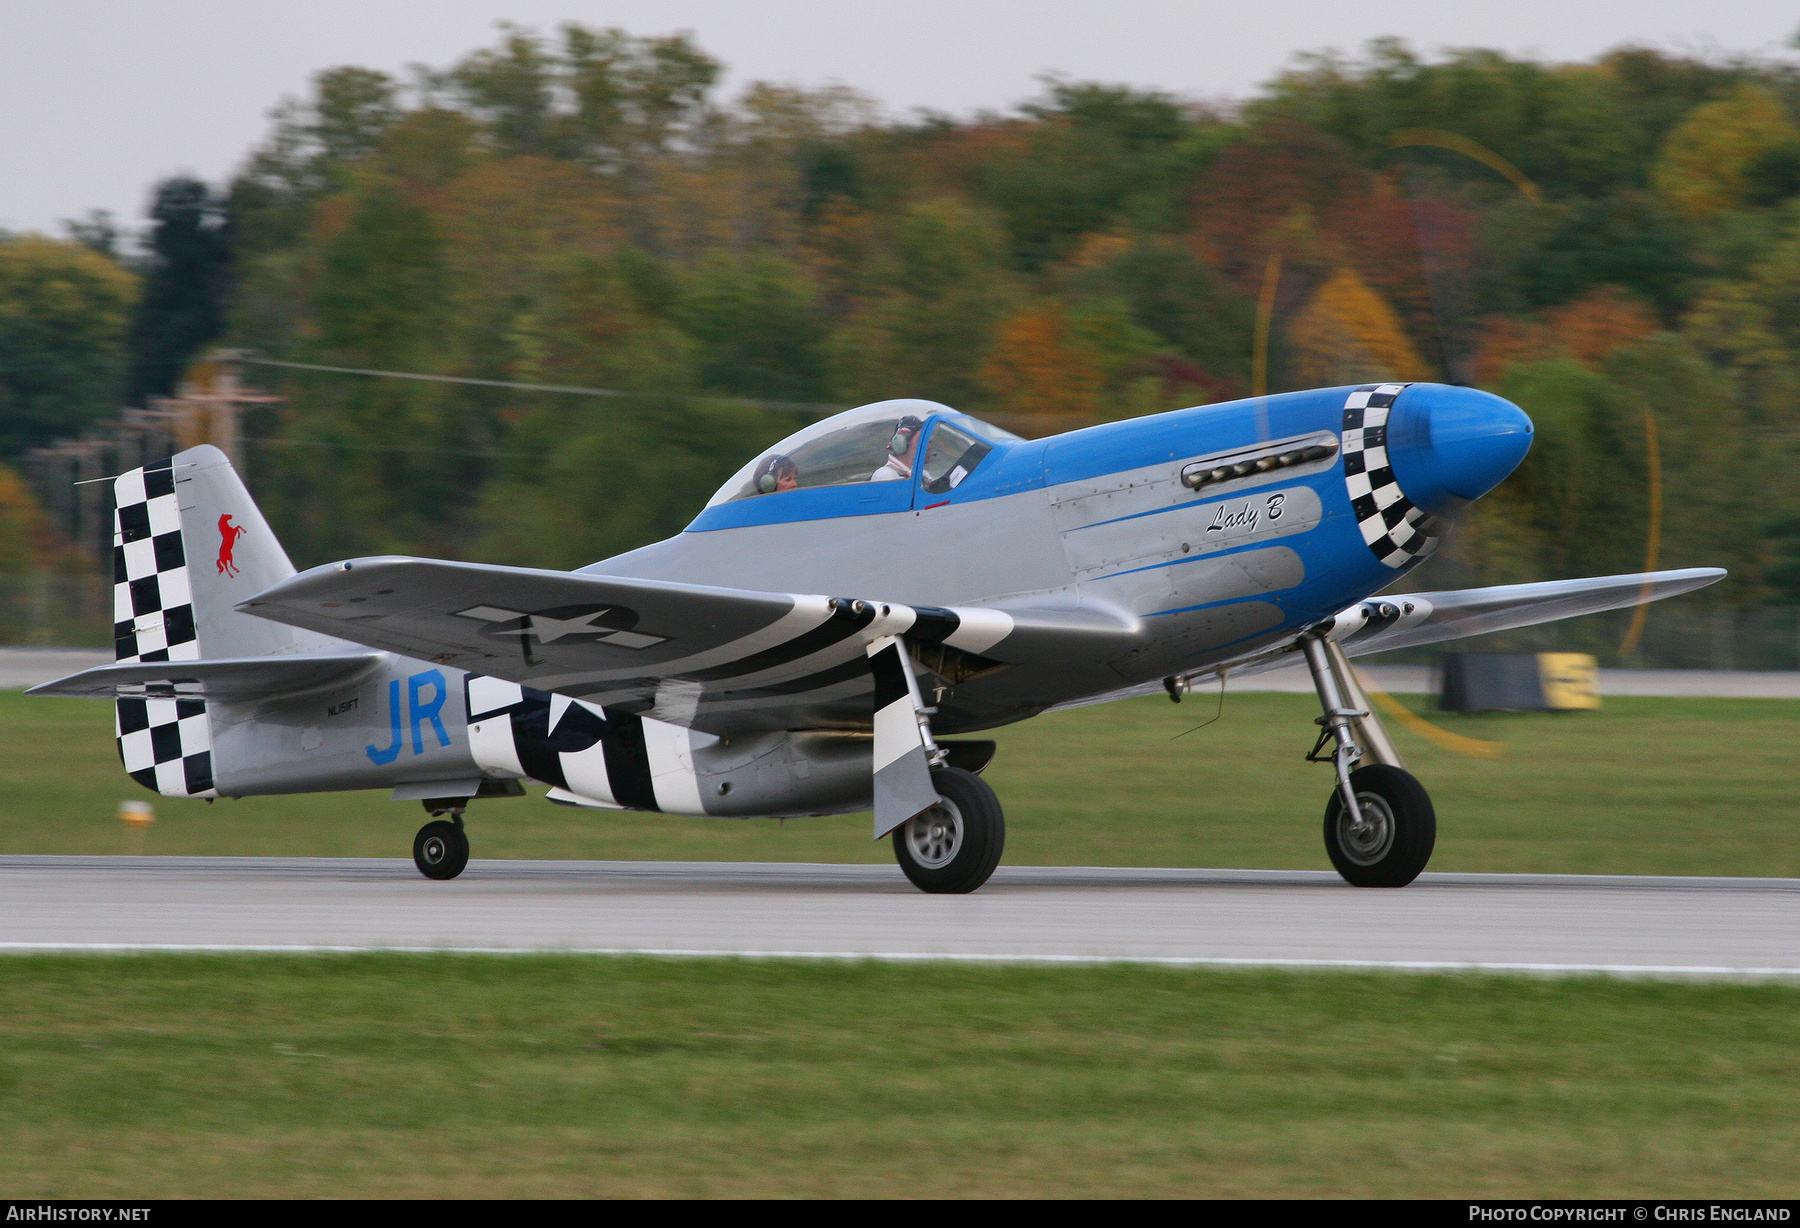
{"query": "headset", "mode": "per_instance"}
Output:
(904, 432)
(770, 478)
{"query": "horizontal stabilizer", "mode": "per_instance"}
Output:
(224, 678)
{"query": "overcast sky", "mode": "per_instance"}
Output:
(100, 98)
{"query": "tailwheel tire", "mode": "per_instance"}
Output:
(952, 848)
(1390, 842)
(441, 849)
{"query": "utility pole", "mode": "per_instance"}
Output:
(71, 474)
(212, 413)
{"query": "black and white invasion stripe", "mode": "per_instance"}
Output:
(1392, 527)
(634, 750)
(825, 661)
(603, 755)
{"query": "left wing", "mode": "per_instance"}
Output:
(1407, 620)
(708, 658)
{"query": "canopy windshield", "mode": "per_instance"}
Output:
(874, 443)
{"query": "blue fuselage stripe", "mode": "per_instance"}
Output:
(1193, 558)
(1246, 493)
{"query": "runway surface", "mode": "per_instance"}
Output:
(1628, 925)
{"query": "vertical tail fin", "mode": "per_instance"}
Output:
(188, 544)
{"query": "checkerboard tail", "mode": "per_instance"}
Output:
(188, 544)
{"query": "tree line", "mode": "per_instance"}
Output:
(1615, 245)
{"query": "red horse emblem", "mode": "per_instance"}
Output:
(228, 535)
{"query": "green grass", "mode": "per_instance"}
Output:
(1653, 786)
(480, 1076)
(185, 1076)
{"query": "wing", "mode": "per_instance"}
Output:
(715, 659)
(222, 678)
(1408, 620)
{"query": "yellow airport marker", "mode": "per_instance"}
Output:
(1571, 680)
(136, 813)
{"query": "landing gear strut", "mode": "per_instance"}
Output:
(955, 832)
(1379, 825)
(441, 849)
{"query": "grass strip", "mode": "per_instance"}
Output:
(1644, 786)
(444, 1075)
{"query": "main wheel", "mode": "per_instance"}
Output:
(953, 847)
(441, 849)
(1390, 842)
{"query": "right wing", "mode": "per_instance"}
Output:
(714, 659)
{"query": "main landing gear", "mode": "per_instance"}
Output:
(952, 848)
(441, 849)
(956, 832)
(1379, 824)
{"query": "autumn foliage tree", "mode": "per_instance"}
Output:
(1348, 334)
(1038, 366)
(587, 207)
(1714, 158)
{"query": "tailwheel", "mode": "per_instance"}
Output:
(953, 847)
(441, 849)
(1388, 844)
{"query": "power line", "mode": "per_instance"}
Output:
(799, 406)
(388, 447)
(439, 379)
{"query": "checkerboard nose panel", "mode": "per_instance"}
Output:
(166, 744)
(1393, 528)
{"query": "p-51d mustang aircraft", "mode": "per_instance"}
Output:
(844, 608)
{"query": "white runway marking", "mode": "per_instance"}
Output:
(1692, 927)
(907, 957)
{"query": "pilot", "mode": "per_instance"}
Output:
(777, 473)
(901, 450)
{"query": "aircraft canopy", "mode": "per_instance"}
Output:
(873, 443)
